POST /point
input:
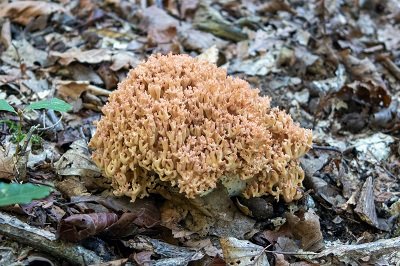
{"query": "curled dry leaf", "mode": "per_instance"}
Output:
(22, 52)
(243, 252)
(72, 90)
(170, 254)
(23, 12)
(368, 92)
(7, 165)
(123, 59)
(128, 224)
(306, 228)
(362, 69)
(388, 118)
(94, 56)
(77, 161)
(275, 6)
(366, 206)
(80, 226)
(160, 27)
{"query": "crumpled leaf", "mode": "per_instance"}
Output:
(80, 226)
(261, 65)
(160, 27)
(366, 205)
(306, 228)
(23, 12)
(93, 56)
(374, 148)
(70, 89)
(77, 161)
(170, 254)
(7, 163)
(129, 222)
(22, 52)
(362, 69)
(367, 92)
(331, 84)
(196, 40)
(210, 55)
(243, 252)
(388, 118)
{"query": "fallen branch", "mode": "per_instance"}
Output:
(45, 241)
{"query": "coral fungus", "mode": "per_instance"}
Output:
(182, 121)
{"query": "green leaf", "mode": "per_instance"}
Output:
(21, 193)
(5, 106)
(51, 104)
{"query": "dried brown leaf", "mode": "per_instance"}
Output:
(93, 56)
(23, 12)
(306, 228)
(368, 92)
(160, 27)
(80, 226)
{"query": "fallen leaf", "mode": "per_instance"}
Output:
(77, 161)
(368, 92)
(306, 228)
(366, 206)
(160, 27)
(72, 90)
(362, 69)
(22, 52)
(7, 165)
(80, 226)
(374, 148)
(123, 59)
(93, 56)
(210, 55)
(170, 254)
(200, 41)
(23, 12)
(243, 252)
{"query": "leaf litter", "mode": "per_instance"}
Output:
(332, 65)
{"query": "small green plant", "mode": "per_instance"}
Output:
(22, 137)
(21, 193)
(18, 135)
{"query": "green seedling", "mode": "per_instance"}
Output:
(24, 193)
(16, 127)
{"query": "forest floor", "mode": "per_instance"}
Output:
(333, 65)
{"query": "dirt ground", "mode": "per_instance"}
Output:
(334, 66)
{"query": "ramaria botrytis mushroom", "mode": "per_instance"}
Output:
(182, 121)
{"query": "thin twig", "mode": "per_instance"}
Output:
(326, 148)
(52, 126)
(27, 140)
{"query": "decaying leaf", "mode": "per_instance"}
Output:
(306, 228)
(69, 89)
(243, 252)
(76, 161)
(374, 148)
(7, 164)
(368, 92)
(93, 56)
(170, 254)
(24, 12)
(160, 27)
(22, 52)
(80, 226)
(366, 205)
(210, 55)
